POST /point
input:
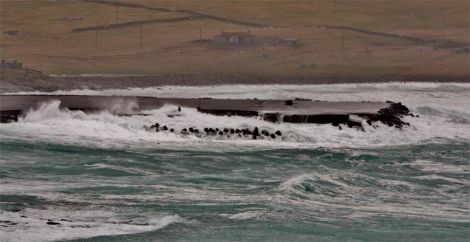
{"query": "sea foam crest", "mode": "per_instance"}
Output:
(443, 109)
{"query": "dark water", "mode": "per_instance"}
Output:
(395, 193)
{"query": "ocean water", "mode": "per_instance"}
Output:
(104, 178)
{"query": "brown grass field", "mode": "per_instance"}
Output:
(45, 40)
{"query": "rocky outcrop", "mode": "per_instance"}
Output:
(392, 115)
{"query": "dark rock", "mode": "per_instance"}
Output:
(172, 130)
(53, 223)
(278, 133)
(392, 115)
(289, 102)
(273, 136)
(256, 132)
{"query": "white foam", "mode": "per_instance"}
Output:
(77, 224)
(246, 215)
(371, 198)
(433, 166)
(449, 120)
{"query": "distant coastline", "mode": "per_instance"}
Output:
(112, 81)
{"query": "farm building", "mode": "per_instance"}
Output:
(291, 42)
(235, 38)
(11, 65)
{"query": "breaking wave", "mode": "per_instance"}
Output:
(443, 109)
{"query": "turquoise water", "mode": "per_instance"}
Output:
(415, 193)
(104, 178)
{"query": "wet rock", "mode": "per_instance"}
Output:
(289, 102)
(53, 223)
(256, 133)
(172, 130)
(278, 133)
(273, 136)
(392, 115)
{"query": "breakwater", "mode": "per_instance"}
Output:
(354, 114)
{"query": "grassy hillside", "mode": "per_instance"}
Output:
(45, 40)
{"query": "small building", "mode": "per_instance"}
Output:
(235, 38)
(291, 42)
(11, 65)
(274, 41)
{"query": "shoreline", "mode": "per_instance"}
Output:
(52, 83)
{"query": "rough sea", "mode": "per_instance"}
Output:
(66, 175)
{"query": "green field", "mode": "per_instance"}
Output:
(45, 40)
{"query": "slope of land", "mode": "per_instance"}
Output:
(339, 40)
